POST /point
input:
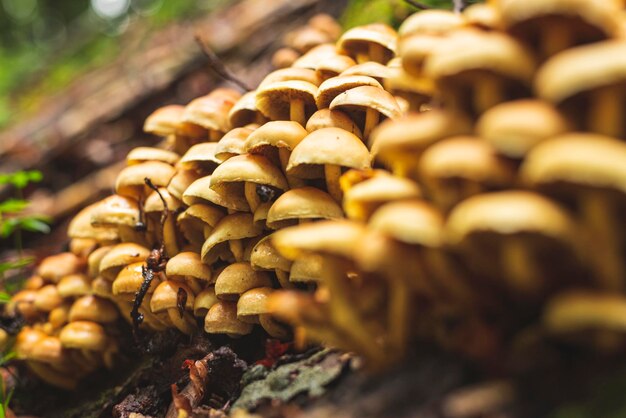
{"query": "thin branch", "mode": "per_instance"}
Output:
(459, 5)
(418, 5)
(216, 64)
(166, 210)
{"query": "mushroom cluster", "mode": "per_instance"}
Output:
(458, 181)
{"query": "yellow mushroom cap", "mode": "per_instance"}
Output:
(201, 157)
(200, 192)
(94, 309)
(326, 118)
(289, 74)
(153, 202)
(232, 143)
(47, 350)
(237, 278)
(273, 100)
(47, 298)
(27, 339)
(80, 227)
(55, 267)
(302, 203)
(483, 15)
(248, 168)
(130, 181)
(515, 127)
(84, 335)
(253, 303)
(313, 57)
(94, 260)
(333, 65)
(203, 301)
(413, 222)
(265, 257)
(244, 111)
(120, 256)
(187, 264)
(306, 268)
(164, 121)
(327, 146)
(231, 227)
(165, 296)
(211, 111)
(336, 237)
(437, 22)
(194, 221)
(115, 210)
(129, 280)
(222, 319)
(74, 285)
(333, 87)
(143, 154)
(367, 97)
(23, 302)
(278, 134)
(357, 40)
(181, 181)
(371, 69)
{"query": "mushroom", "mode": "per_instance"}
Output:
(200, 192)
(588, 172)
(121, 213)
(201, 158)
(291, 74)
(23, 303)
(167, 120)
(197, 221)
(232, 143)
(326, 118)
(333, 65)
(82, 247)
(47, 298)
(312, 59)
(373, 42)
(378, 72)
(252, 308)
(305, 38)
(130, 181)
(166, 298)
(211, 111)
(188, 268)
(328, 149)
(222, 319)
(483, 16)
(284, 57)
(590, 95)
(94, 260)
(459, 167)
(302, 205)
(80, 227)
(181, 181)
(74, 285)
(59, 316)
(435, 21)
(227, 238)
(514, 128)
(327, 24)
(287, 100)
(93, 308)
(156, 214)
(140, 155)
(250, 170)
(245, 111)
(265, 257)
(120, 256)
(307, 268)
(374, 102)
(203, 302)
(238, 278)
(88, 337)
(333, 87)
(413, 93)
(551, 26)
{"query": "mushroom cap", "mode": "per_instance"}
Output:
(248, 168)
(23, 302)
(288, 74)
(582, 310)
(187, 264)
(302, 203)
(165, 296)
(273, 100)
(85, 335)
(307, 37)
(467, 158)
(581, 69)
(222, 319)
(357, 40)
(414, 132)
(277, 134)
(130, 181)
(192, 222)
(55, 267)
(253, 303)
(164, 121)
(80, 227)
(508, 213)
(59, 316)
(238, 278)
(333, 65)
(33, 282)
(231, 227)
(371, 69)
(584, 159)
(27, 339)
(362, 199)
(211, 111)
(435, 22)
(307, 268)
(314, 56)
(200, 192)
(326, 118)
(284, 57)
(232, 143)
(296, 308)
(333, 87)
(414, 222)
(336, 237)
(120, 256)
(265, 257)
(48, 349)
(181, 181)
(102, 287)
(483, 16)
(367, 97)
(415, 50)
(244, 111)
(93, 308)
(327, 146)
(153, 202)
(47, 298)
(203, 301)
(115, 210)
(515, 127)
(129, 280)
(599, 14)
(82, 247)
(142, 154)
(326, 23)
(473, 50)
(94, 260)
(201, 157)
(74, 285)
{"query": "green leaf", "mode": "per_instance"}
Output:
(7, 226)
(13, 205)
(34, 224)
(4, 297)
(16, 264)
(21, 179)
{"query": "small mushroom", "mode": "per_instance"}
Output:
(302, 205)
(120, 256)
(252, 308)
(287, 100)
(201, 158)
(374, 42)
(378, 72)
(181, 181)
(238, 278)
(197, 221)
(167, 120)
(55, 267)
(232, 143)
(121, 213)
(245, 111)
(333, 87)
(93, 308)
(144, 154)
(47, 298)
(94, 260)
(326, 118)
(222, 319)
(130, 181)
(203, 302)
(200, 192)
(284, 57)
(265, 257)
(155, 211)
(211, 111)
(188, 268)
(227, 238)
(166, 298)
(74, 285)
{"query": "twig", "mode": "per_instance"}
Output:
(166, 210)
(418, 5)
(459, 5)
(216, 64)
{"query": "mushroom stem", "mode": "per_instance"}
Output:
(488, 92)
(283, 156)
(604, 243)
(252, 196)
(332, 173)
(169, 236)
(362, 57)
(556, 38)
(398, 314)
(376, 53)
(214, 135)
(296, 111)
(606, 112)
(193, 284)
(236, 247)
(283, 279)
(184, 324)
(371, 120)
(522, 273)
(343, 314)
